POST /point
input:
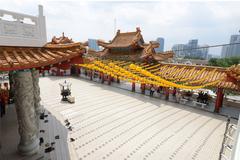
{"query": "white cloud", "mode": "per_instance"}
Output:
(177, 22)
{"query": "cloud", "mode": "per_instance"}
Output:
(177, 22)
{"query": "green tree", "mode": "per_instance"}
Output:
(224, 62)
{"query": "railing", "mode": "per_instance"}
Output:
(236, 146)
(17, 29)
(230, 140)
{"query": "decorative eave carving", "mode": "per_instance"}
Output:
(234, 72)
(61, 40)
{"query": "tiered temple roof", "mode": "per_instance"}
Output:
(16, 58)
(130, 46)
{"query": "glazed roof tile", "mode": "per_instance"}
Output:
(16, 58)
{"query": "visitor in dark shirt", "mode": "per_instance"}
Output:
(205, 98)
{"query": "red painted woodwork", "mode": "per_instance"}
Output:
(133, 86)
(219, 100)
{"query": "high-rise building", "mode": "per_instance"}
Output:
(179, 50)
(191, 49)
(233, 49)
(92, 44)
(160, 40)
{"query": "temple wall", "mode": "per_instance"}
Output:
(18, 29)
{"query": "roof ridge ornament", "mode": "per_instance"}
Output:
(118, 31)
(61, 40)
(138, 29)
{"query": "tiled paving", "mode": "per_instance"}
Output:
(110, 123)
(10, 138)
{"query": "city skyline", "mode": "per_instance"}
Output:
(210, 22)
(232, 50)
(189, 50)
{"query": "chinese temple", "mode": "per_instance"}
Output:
(127, 57)
(131, 46)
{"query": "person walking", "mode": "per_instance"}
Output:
(151, 91)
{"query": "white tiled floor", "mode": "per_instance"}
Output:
(110, 123)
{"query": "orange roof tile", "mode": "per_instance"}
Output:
(126, 39)
(15, 58)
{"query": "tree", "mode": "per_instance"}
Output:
(224, 62)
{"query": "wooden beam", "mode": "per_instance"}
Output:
(19, 59)
(53, 55)
(29, 59)
(35, 55)
(46, 56)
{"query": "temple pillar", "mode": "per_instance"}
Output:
(118, 80)
(36, 93)
(133, 86)
(219, 100)
(166, 93)
(109, 80)
(143, 86)
(58, 72)
(102, 78)
(26, 115)
(91, 75)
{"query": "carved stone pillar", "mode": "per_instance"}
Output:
(24, 103)
(36, 93)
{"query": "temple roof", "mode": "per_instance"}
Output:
(126, 39)
(130, 46)
(16, 58)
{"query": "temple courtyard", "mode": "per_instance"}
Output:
(111, 123)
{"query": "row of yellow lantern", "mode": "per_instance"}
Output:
(168, 83)
(118, 72)
(210, 74)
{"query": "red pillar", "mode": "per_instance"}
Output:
(133, 86)
(102, 77)
(58, 71)
(109, 80)
(219, 100)
(143, 88)
(166, 93)
(118, 80)
(91, 75)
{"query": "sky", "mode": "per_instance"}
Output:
(211, 22)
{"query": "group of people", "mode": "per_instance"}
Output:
(203, 97)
